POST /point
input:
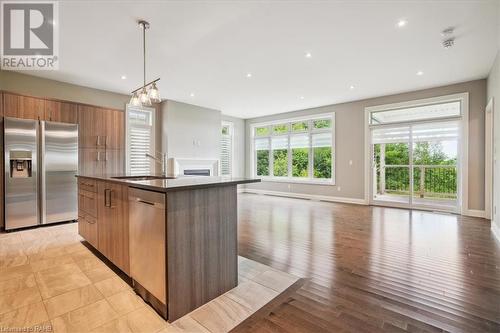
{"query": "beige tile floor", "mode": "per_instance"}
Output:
(50, 281)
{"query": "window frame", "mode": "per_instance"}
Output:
(230, 125)
(152, 146)
(310, 131)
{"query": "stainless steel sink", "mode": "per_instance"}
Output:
(139, 178)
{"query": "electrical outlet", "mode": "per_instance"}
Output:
(338, 188)
(350, 162)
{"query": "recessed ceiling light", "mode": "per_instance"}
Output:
(351, 87)
(249, 74)
(191, 94)
(308, 55)
(123, 77)
(301, 97)
(402, 23)
(420, 73)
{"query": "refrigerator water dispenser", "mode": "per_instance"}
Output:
(20, 164)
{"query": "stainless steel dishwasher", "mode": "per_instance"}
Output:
(147, 241)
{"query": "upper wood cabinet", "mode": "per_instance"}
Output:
(91, 126)
(100, 128)
(26, 107)
(23, 106)
(115, 129)
(62, 112)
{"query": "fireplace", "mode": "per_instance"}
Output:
(193, 167)
(196, 172)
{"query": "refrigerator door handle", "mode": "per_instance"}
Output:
(42, 180)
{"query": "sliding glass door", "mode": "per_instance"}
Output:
(435, 167)
(391, 164)
(416, 165)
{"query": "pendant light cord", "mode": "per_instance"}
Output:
(144, 53)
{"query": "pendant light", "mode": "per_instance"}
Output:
(148, 93)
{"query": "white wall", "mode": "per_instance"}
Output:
(190, 131)
(183, 126)
(45, 88)
(493, 91)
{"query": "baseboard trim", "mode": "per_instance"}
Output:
(495, 230)
(307, 196)
(474, 213)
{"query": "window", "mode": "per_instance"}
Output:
(226, 151)
(299, 150)
(140, 140)
(422, 112)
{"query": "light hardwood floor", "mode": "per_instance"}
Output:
(50, 281)
(373, 269)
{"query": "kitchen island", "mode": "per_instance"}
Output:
(176, 238)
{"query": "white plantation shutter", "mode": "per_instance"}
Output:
(322, 139)
(299, 141)
(140, 140)
(226, 146)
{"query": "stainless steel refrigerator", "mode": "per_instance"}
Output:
(41, 161)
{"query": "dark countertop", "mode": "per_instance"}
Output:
(174, 184)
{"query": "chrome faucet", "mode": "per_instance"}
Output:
(162, 160)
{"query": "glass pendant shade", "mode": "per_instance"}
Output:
(149, 93)
(154, 94)
(144, 98)
(135, 101)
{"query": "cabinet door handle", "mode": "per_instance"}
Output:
(107, 197)
(98, 158)
(98, 142)
(111, 199)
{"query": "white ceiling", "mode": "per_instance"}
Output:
(208, 47)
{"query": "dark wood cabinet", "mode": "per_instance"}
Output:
(98, 162)
(112, 219)
(62, 112)
(115, 129)
(87, 210)
(91, 161)
(91, 127)
(103, 219)
(114, 161)
(101, 140)
(101, 128)
(19, 106)
(87, 228)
